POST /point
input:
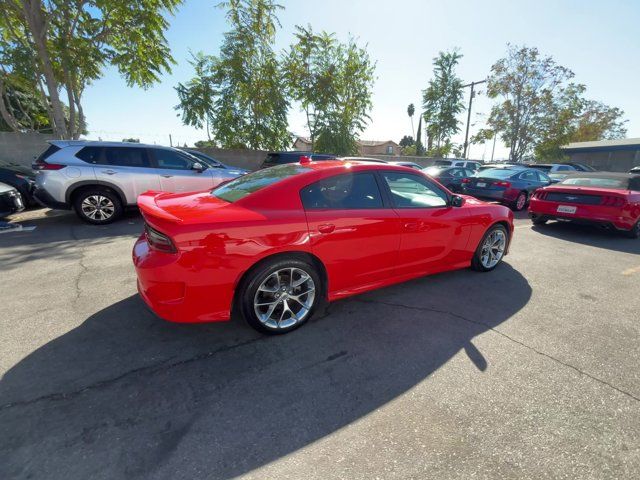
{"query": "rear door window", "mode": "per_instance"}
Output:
(343, 192)
(126, 157)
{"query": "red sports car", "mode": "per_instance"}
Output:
(277, 242)
(599, 198)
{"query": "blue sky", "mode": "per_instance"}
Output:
(598, 40)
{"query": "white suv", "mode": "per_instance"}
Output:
(468, 164)
(100, 179)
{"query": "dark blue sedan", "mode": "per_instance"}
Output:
(450, 177)
(510, 186)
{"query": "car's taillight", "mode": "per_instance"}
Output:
(42, 165)
(502, 183)
(466, 180)
(159, 241)
(611, 201)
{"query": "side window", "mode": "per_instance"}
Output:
(543, 177)
(457, 172)
(529, 176)
(91, 155)
(564, 168)
(343, 192)
(469, 173)
(171, 160)
(126, 157)
(413, 191)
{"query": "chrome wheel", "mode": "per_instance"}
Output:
(522, 200)
(284, 298)
(493, 248)
(98, 207)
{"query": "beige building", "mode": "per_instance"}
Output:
(365, 147)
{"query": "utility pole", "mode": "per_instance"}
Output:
(466, 135)
(170, 141)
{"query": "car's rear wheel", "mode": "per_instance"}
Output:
(97, 205)
(635, 231)
(280, 295)
(491, 249)
(521, 202)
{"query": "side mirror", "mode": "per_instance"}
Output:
(198, 167)
(456, 201)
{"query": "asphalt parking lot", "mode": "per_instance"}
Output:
(530, 371)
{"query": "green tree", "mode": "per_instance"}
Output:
(442, 102)
(406, 141)
(529, 87)
(332, 82)
(411, 109)
(21, 105)
(577, 119)
(419, 146)
(239, 93)
(68, 43)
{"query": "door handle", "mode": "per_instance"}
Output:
(109, 172)
(326, 228)
(411, 226)
(166, 176)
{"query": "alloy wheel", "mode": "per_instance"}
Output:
(493, 248)
(522, 200)
(98, 207)
(284, 298)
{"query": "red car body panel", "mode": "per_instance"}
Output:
(622, 216)
(218, 242)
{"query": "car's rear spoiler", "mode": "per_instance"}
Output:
(147, 204)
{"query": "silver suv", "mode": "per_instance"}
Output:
(100, 179)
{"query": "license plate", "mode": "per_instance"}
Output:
(566, 209)
(481, 184)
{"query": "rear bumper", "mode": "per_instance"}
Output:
(504, 196)
(45, 199)
(174, 292)
(585, 214)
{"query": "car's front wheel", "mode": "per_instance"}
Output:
(280, 295)
(635, 231)
(97, 205)
(491, 249)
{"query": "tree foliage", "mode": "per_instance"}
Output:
(540, 109)
(332, 82)
(442, 102)
(528, 86)
(61, 46)
(406, 141)
(239, 93)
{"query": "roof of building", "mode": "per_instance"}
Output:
(601, 145)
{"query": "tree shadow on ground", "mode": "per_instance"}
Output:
(127, 395)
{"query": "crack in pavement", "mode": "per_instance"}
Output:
(511, 339)
(162, 366)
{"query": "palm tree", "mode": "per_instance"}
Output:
(410, 111)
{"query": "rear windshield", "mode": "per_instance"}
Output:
(47, 153)
(544, 168)
(248, 184)
(495, 173)
(442, 162)
(434, 171)
(604, 182)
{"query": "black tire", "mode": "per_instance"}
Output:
(517, 205)
(539, 220)
(635, 231)
(476, 261)
(109, 209)
(248, 294)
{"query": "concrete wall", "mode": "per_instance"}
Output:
(249, 159)
(611, 161)
(22, 147)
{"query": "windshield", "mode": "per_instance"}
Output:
(248, 184)
(442, 162)
(598, 182)
(495, 173)
(544, 168)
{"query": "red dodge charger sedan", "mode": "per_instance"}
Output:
(600, 198)
(275, 243)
